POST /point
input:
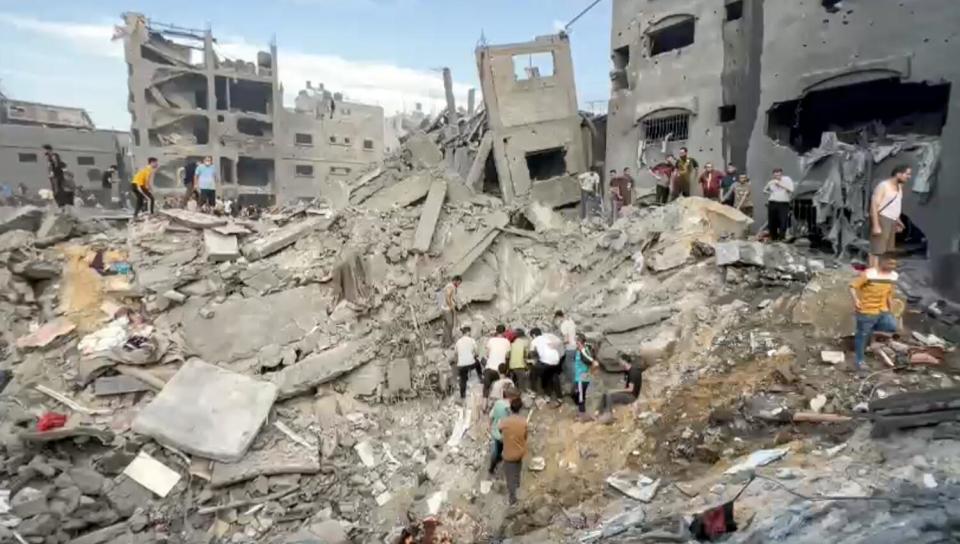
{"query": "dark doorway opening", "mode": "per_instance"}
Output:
(675, 36)
(491, 181)
(886, 106)
(547, 163)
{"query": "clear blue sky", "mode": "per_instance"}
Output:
(59, 51)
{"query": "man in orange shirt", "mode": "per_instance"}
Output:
(142, 181)
(872, 293)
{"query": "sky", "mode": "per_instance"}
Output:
(387, 52)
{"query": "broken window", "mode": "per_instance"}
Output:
(886, 106)
(255, 127)
(339, 170)
(491, 180)
(304, 170)
(675, 35)
(250, 96)
(367, 143)
(734, 10)
(93, 174)
(220, 90)
(226, 170)
(182, 130)
(303, 139)
(547, 163)
(28, 157)
(258, 200)
(670, 124)
(255, 172)
(85, 161)
(186, 91)
(621, 59)
(728, 113)
(832, 6)
(533, 65)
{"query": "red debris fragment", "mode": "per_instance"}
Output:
(50, 421)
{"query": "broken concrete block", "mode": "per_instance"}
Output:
(16, 239)
(833, 357)
(280, 238)
(46, 334)
(402, 193)
(660, 346)
(220, 247)
(365, 380)
(365, 452)
(126, 496)
(152, 474)
(37, 269)
(474, 179)
(27, 218)
(55, 228)
(318, 369)
(118, 385)
(193, 220)
(282, 457)
(635, 486)
(429, 214)
(457, 258)
(556, 192)
(325, 532)
(29, 502)
(424, 151)
(643, 318)
(208, 411)
(399, 376)
(89, 481)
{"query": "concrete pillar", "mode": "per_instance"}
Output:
(451, 101)
(471, 99)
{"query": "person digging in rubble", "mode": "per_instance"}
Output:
(742, 199)
(497, 349)
(467, 360)
(205, 177)
(633, 382)
(710, 181)
(728, 184)
(500, 410)
(584, 363)
(448, 308)
(513, 429)
(872, 293)
(502, 382)
(685, 172)
(140, 186)
(663, 172)
(780, 192)
(589, 191)
(546, 350)
(518, 370)
(885, 207)
(568, 333)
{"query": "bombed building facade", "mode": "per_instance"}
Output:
(26, 126)
(835, 93)
(187, 101)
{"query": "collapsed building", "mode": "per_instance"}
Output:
(835, 93)
(26, 126)
(188, 101)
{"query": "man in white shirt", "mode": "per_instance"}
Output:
(546, 349)
(467, 360)
(568, 333)
(589, 191)
(780, 193)
(447, 302)
(498, 348)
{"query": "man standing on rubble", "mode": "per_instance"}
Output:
(140, 186)
(685, 172)
(710, 181)
(872, 293)
(498, 348)
(780, 192)
(467, 360)
(514, 431)
(546, 350)
(206, 182)
(61, 186)
(518, 365)
(664, 174)
(620, 194)
(727, 185)
(568, 333)
(589, 191)
(447, 301)
(885, 208)
(500, 410)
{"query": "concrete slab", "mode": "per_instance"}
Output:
(474, 179)
(429, 215)
(118, 385)
(424, 152)
(402, 193)
(399, 376)
(27, 218)
(644, 318)
(55, 228)
(193, 220)
(457, 258)
(220, 247)
(318, 369)
(280, 238)
(283, 457)
(364, 381)
(556, 192)
(208, 411)
(239, 328)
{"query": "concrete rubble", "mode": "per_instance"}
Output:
(289, 371)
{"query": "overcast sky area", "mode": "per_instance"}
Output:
(386, 52)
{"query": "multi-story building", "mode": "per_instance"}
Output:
(834, 92)
(187, 102)
(26, 126)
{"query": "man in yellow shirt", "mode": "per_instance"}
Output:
(142, 181)
(872, 293)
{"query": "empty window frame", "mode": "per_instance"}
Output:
(340, 170)
(303, 139)
(671, 126)
(734, 10)
(546, 163)
(28, 157)
(304, 170)
(367, 144)
(533, 65)
(86, 161)
(677, 34)
(727, 113)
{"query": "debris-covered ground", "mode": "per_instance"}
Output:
(192, 378)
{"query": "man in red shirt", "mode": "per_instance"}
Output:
(710, 182)
(664, 173)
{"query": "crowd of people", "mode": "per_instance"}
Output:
(554, 361)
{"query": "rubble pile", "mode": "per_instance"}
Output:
(194, 378)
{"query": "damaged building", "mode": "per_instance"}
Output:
(536, 140)
(26, 126)
(188, 101)
(835, 93)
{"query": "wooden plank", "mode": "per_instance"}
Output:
(429, 215)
